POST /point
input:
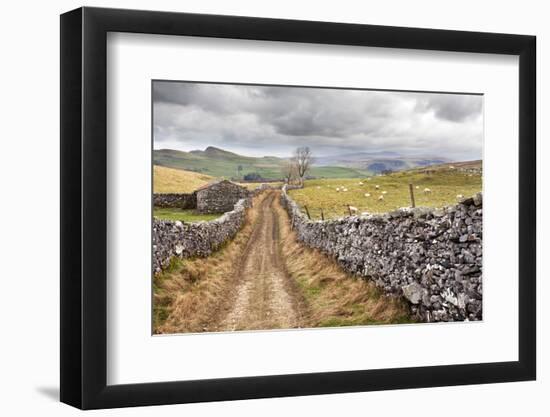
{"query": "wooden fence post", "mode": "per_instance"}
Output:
(411, 191)
(349, 209)
(307, 212)
(322, 215)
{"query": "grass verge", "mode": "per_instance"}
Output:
(334, 297)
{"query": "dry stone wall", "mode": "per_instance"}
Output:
(173, 200)
(432, 257)
(176, 238)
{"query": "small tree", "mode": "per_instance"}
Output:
(239, 170)
(302, 161)
(288, 170)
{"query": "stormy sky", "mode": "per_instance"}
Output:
(268, 120)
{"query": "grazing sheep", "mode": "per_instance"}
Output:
(380, 198)
(367, 194)
(344, 189)
(377, 187)
(361, 183)
(384, 192)
(417, 187)
(353, 210)
(459, 196)
(337, 189)
(427, 191)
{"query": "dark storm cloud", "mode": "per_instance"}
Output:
(273, 120)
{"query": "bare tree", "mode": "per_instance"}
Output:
(288, 170)
(302, 161)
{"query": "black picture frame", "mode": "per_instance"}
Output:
(84, 207)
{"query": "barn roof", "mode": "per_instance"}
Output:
(211, 183)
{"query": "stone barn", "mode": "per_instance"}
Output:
(219, 197)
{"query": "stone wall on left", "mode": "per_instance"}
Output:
(176, 238)
(175, 200)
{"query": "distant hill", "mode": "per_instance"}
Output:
(463, 166)
(377, 162)
(218, 162)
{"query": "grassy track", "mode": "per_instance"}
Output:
(250, 281)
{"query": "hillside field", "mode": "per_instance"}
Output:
(445, 185)
(168, 180)
(218, 163)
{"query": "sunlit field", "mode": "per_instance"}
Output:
(445, 186)
(169, 180)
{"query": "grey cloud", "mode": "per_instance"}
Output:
(265, 119)
(453, 107)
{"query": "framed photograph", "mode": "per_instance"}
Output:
(257, 208)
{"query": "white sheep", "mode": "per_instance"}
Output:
(367, 194)
(417, 187)
(427, 191)
(337, 189)
(353, 210)
(377, 187)
(361, 182)
(344, 189)
(384, 192)
(380, 198)
(459, 196)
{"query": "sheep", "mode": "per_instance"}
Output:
(337, 189)
(381, 198)
(459, 196)
(417, 187)
(377, 187)
(384, 192)
(427, 191)
(367, 195)
(353, 210)
(361, 182)
(344, 189)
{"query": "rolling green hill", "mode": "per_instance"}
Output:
(217, 162)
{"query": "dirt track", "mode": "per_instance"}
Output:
(265, 296)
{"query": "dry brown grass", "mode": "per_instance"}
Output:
(187, 296)
(169, 180)
(334, 297)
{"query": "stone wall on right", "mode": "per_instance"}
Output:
(432, 257)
